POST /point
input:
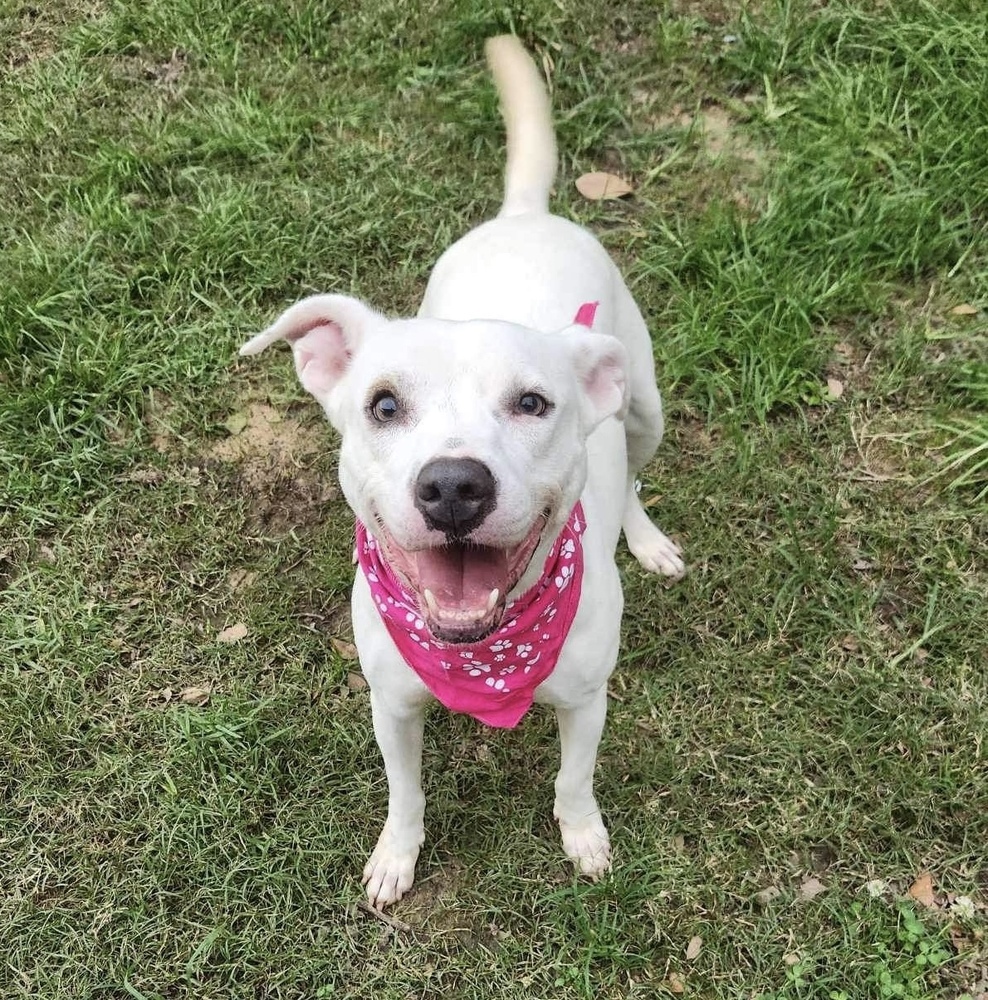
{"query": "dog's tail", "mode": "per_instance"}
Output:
(531, 167)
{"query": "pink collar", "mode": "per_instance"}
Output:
(495, 679)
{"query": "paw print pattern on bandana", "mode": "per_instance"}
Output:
(495, 679)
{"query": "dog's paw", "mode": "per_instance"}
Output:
(389, 873)
(657, 552)
(587, 845)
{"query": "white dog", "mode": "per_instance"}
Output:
(489, 450)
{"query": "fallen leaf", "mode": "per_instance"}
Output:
(600, 186)
(232, 634)
(835, 388)
(862, 565)
(355, 681)
(922, 890)
(964, 309)
(346, 649)
(240, 579)
(675, 983)
(237, 422)
(810, 888)
(195, 696)
(693, 948)
(765, 897)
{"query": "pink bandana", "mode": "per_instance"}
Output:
(495, 679)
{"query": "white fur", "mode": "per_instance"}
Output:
(497, 321)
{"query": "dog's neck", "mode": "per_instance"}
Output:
(494, 679)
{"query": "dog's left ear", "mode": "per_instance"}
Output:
(601, 365)
(325, 332)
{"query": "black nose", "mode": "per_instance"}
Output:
(455, 494)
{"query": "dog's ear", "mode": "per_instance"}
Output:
(601, 365)
(324, 332)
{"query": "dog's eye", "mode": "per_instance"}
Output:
(384, 407)
(531, 404)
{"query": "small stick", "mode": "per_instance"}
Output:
(393, 922)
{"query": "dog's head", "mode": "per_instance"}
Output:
(463, 443)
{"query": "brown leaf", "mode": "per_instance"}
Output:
(232, 634)
(346, 649)
(600, 186)
(810, 888)
(693, 948)
(922, 890)
(964, 309)
(355, 681)
(675, 983)
(195, 696)
(240, 579)
(835, 388)
(765, 897)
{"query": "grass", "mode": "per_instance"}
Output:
(181, 816)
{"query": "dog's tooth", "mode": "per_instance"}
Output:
(431, 603)
(492, 600)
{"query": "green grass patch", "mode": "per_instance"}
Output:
(796, 730)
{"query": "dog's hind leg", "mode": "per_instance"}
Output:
(643, 427)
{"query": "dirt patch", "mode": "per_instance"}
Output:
(260, 431)
(32, 32)
(282, 466)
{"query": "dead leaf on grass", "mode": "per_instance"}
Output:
(240, 579)
(810, 888)
(835, 388)
(194, 696)
(765, 897)
(922, 890)
(601, 186)
(693, 948)
(675, 983)
(964, 309)
(162, 697)
(232, 634)
(346, 649)
(355, 681)
(237, 422)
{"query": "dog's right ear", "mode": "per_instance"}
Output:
(324, 332)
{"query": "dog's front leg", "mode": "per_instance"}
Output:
(389, 873)
(585, 837)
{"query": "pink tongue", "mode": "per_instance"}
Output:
(461, 577)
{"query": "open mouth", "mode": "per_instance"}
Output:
(461, 587)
